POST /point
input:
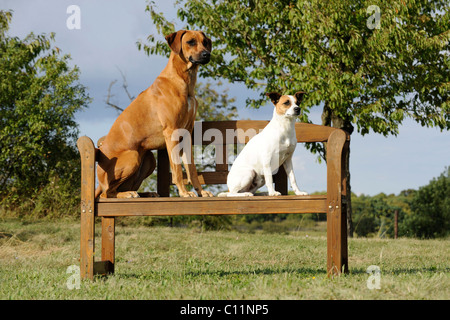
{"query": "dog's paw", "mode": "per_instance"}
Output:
(188, 194)
(205, 193)
(301, 193)
(128, 194)
(274, 193)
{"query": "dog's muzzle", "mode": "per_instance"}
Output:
(204, 58)
(297, 111)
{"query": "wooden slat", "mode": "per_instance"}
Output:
(231, 132)
(87, 243)
(222, 158)
(209, 177)
(220, 177)
(308, 132)
(226, 132)
(210, 206)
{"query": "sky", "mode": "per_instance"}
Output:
(104, 45)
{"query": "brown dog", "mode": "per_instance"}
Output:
(152, 121)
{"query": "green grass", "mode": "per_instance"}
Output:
(178, 263)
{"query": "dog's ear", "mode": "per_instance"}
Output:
(208, 42)
(174, 40)
(274, 96)
(299, 97)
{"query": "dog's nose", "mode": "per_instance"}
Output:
(205, 54)
(297, 110)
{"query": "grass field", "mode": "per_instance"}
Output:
(178, 263)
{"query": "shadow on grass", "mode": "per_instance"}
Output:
(305, 272)
(403, 271)
(302, 272)
(259, 271)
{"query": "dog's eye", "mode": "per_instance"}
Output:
(286, 103)
(191, 42)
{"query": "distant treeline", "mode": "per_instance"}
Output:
(423, 213)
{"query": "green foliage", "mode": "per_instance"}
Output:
(214, 105)
(374, 216)
(423, 213)
(39, 96)
(57, 199)
(431, 209)
(368, 77)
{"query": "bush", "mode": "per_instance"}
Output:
(59, 198)
(39, 96)
(430, 216)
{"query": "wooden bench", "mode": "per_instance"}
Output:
(206, 133)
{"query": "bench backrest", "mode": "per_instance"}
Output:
(221, 134)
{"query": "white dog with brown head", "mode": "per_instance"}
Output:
(267, 151)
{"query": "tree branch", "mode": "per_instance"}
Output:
(108, 97)
(125, 85)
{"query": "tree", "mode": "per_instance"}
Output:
(375, 215)
(430, 206)
(366, 71)
(39, 95)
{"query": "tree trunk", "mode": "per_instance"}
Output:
(331, 120)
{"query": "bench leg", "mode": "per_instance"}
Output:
(108, 242)
(337, 261)
(337, 253)
(87, 243)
